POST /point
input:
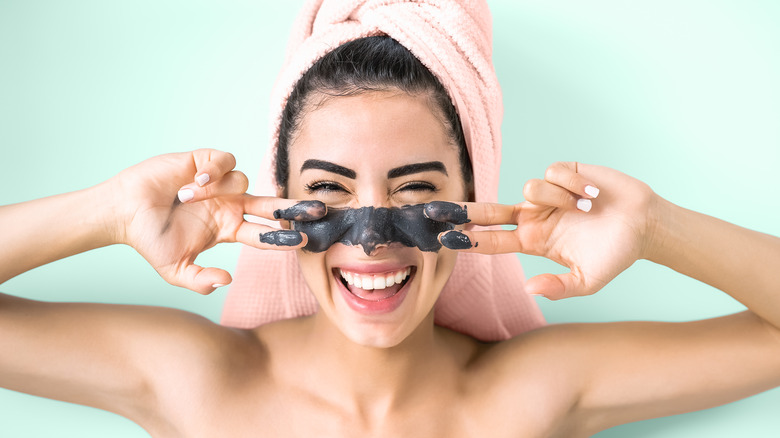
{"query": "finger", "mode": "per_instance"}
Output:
(265, 237)
(555, 287)
(542, 192)
(567, 175)
(233, 183)
(199, 279)
(481, 242)
(211, 165)
(570, 284)
(269, 207)
(477, 213)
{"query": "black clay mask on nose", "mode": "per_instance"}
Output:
(370, 227)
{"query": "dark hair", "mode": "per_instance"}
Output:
(377, 63)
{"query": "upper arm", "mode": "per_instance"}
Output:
(578, 379)
(112, 357)
(631, 371)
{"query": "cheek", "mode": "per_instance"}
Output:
(438, 268)
(314, 270)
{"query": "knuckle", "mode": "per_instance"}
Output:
(560, 172)
(494, 241)
(230, 158)
(491, 213)
(556, 169)
(531, 188)
(553, 171)
(574, 180)
(242, 182)
(565, 199)
(205, 152)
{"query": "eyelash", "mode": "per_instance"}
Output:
(330, 186)
(419, 186)
(323, 187)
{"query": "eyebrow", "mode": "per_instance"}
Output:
(417, 168)
(329, 167)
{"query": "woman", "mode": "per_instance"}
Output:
(400, 327)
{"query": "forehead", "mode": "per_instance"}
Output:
(390, 127)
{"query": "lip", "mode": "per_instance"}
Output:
(367, 307)
(373, 268)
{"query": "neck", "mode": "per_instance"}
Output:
(365, 377)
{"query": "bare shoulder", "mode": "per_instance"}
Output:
(211, 376)
(191, 364)
(145, 363)
(187, 341)
(532, 376)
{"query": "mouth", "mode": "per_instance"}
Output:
(374, 292)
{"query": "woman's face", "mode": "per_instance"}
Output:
(380, 149)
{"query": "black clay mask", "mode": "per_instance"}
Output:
(370, 227)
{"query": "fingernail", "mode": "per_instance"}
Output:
(302, 211)
(443, 211)
(591, 191)
(281, 238)
(216, 285)
(537, 295)
(186, 195)
(203, 178)
(584, 205)
(456, 240)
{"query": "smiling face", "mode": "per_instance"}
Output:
(379, 149)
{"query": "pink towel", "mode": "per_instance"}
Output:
(484, 297)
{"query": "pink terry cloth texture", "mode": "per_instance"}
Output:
(484, 297)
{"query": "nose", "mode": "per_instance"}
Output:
(374, 195)
(373, 229)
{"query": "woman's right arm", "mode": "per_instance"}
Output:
(38, 232)
(116, 357)
(138, 207)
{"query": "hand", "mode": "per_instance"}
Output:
(172, 207)
(596, 245)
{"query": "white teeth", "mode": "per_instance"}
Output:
(371, 282)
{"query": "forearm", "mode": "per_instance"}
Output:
(37, 232)
(738, 261)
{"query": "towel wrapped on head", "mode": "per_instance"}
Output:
(484, 297)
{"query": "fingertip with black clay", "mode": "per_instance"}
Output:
(443, 211)
(456, 240)
(282, 238)
(302, 211)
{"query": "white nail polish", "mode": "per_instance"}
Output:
(203, 178)
(186, 195)
(591, 191)
(216, 285)
(584, 205)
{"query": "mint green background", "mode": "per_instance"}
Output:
(682, 94)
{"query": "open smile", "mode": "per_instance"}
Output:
(374, 292)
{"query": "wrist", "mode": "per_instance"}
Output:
(106, 218)
(661, 220)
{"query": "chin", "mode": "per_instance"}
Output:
(378, 300)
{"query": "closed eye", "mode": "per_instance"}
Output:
(416, 186)
(324, 187)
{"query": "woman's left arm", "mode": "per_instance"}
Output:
(630, 371)
(639, 370)
(741, 262)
